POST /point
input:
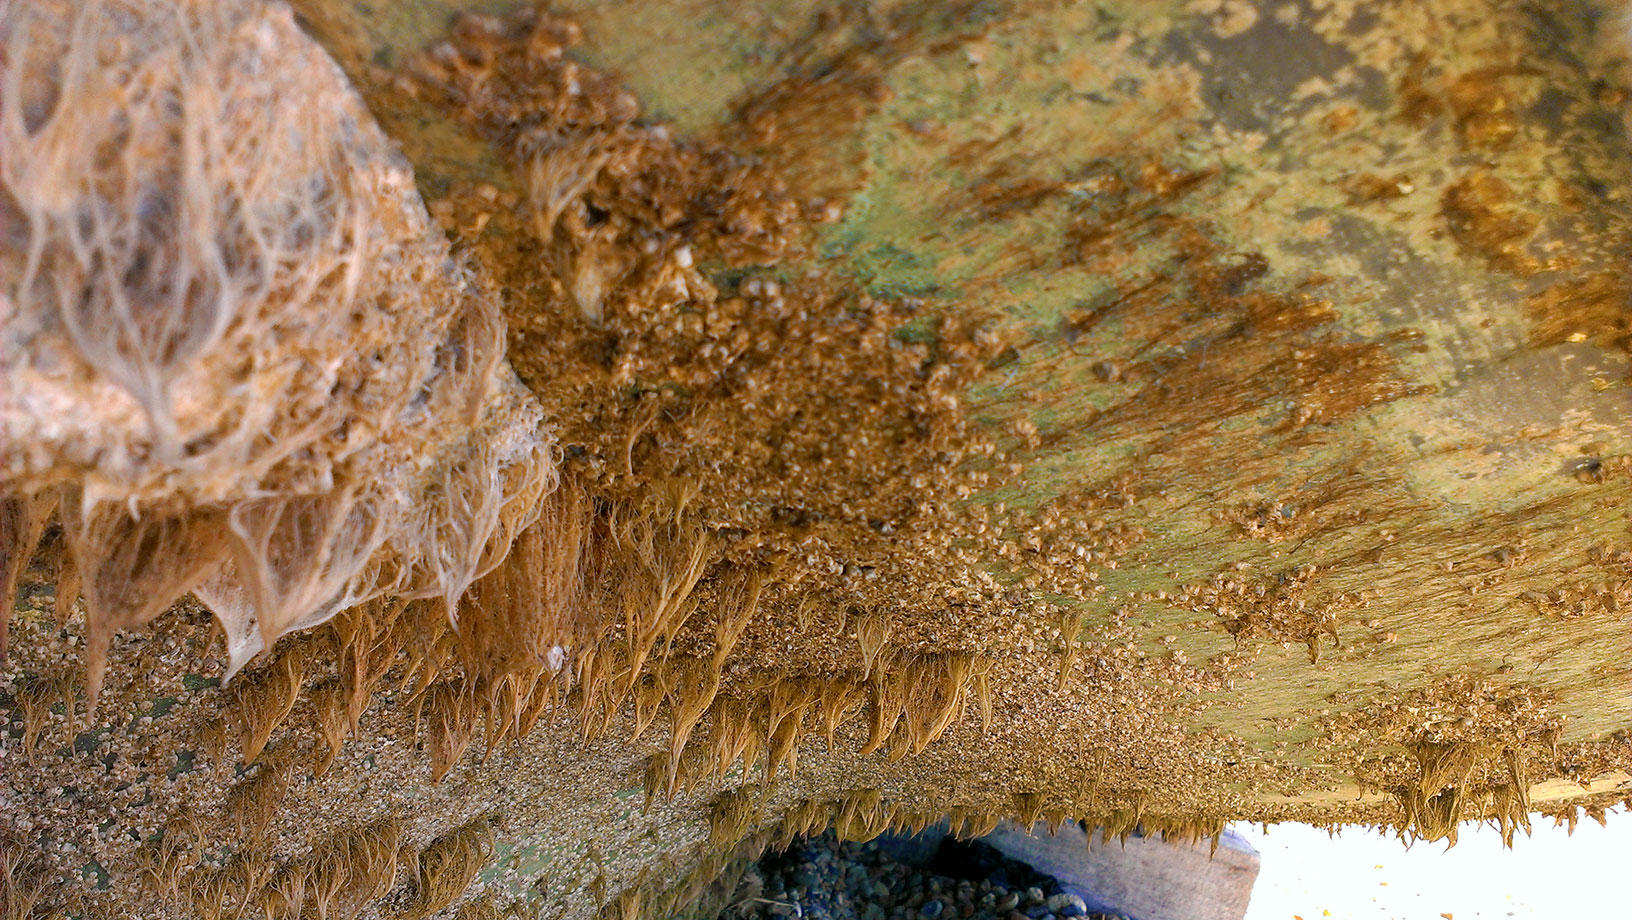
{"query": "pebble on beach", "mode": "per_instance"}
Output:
(821, 878)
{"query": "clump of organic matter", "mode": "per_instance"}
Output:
(1281, 608)
(449, 863)
(239, 361)
(352, 868)
(25, 884)
(1471, 746)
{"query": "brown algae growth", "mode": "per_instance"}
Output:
(763, 533)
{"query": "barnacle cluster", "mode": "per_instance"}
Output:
(1469, 748)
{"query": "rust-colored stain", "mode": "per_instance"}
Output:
(1596, 308)
(1220, 341)
(1484, 115)
(1486, 221)
(1477, 102)
(1417, 104)
(804, 127)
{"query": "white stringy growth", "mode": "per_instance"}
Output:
(235, 355)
